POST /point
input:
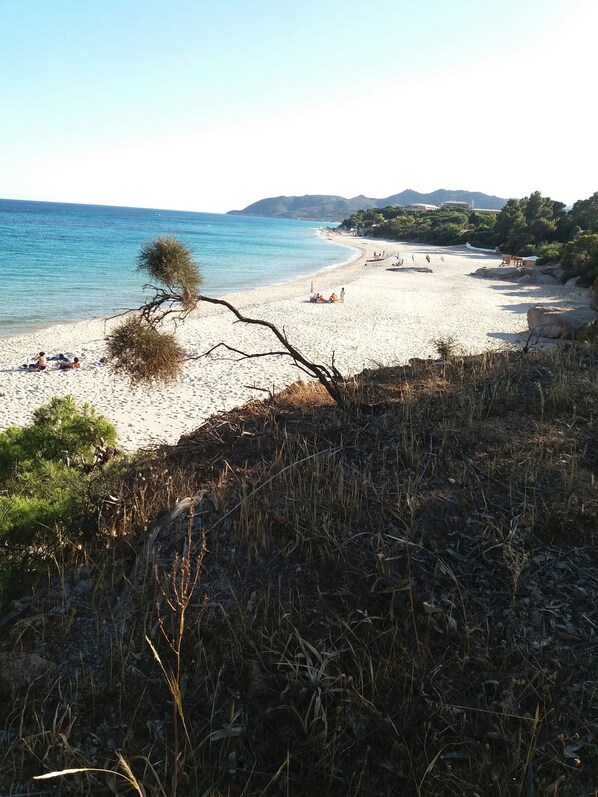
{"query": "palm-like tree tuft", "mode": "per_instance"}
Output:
(143, 354)
(168, 261)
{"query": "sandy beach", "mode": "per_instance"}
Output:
(388, 316)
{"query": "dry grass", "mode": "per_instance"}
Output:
(402, 602)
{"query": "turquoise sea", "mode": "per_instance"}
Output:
(63, 262)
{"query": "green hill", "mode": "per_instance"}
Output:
(327, 207)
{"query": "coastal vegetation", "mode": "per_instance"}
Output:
(48, 478)
(298, 601)
(533, 225)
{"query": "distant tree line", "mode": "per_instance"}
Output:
(534, 225)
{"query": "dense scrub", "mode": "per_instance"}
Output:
(48, 471)
(398, 602)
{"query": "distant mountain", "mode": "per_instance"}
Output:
(410, 197)
(311, 207)
(327, 207)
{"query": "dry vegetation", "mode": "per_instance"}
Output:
(400, 603)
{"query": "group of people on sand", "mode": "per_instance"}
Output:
(334, 297)
(63, 363)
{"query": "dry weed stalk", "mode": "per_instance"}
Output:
(178, 592)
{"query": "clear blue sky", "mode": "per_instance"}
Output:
(212, 105)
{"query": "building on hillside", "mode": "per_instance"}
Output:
(421, 206)
(457, 204)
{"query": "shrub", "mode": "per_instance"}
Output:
(550, 253)
(580, 258)
(446, 348)
(45, 472)
(60, 432)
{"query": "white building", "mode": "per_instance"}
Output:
(421, 206)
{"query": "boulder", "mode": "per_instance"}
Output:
(499, 273)
(555, 322)
(537, 276)
(545, 279)
(554, 269)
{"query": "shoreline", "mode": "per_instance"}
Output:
(322, 232)
(388, 317)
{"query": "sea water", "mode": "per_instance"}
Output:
(65, 262)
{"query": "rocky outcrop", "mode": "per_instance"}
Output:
(499, 273)
(554, 270)
(517, 274)
(555, 322)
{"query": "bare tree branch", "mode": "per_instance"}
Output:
(147, 353)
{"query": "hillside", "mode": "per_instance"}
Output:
(312, 207)
(397, 600)
(324, 207)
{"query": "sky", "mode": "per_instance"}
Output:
(210, 105)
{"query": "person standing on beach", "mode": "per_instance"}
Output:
(342, 294)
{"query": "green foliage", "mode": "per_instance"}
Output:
(524, 226)
(550, 253)
(143, 354)
(580, 258)
(45, 472)
(60, 432)
(446, 348)
(168, 261)
(48, 495)
(584, 214)
(445, 226)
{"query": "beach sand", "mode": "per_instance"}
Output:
(388, 316)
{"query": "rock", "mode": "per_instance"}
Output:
(545, 279)
(555, 322)
(500, 273)
(554, 270)
(21, 670)
(536, 276)
(572, 283)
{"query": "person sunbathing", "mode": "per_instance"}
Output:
(333, 298)
(66, 366)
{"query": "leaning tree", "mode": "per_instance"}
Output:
(143, 349)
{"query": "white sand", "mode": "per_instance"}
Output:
(387, 317)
